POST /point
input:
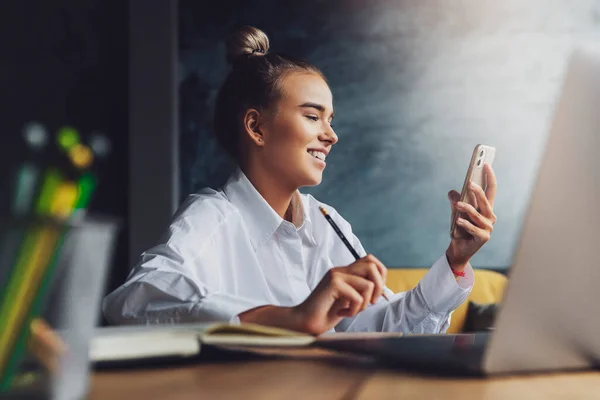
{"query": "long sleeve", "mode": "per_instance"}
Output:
(166, 297)
(190, 277)
(424, 309)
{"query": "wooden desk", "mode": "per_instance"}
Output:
(293, 379)
(386, 385)
(319, 378)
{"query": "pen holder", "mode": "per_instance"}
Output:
(50, 303)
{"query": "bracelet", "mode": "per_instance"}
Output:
(462, 274)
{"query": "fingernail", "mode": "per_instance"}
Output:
(459, 205)
(460, 221)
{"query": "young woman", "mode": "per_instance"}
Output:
(259, 251)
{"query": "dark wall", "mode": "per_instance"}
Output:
(65, 62)
(416, 85)
(153, 160)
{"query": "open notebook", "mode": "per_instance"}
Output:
(139, 342)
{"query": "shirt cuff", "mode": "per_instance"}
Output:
(441, 291)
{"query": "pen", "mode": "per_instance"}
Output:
(341, 236)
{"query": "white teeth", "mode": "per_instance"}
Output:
(317, 154)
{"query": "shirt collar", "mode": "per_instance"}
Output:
(306, 220)
(259, 217)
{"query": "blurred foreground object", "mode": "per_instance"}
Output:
(47, 248)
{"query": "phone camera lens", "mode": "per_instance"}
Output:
(481, 153)
(479, 162)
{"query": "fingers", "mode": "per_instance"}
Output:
(481, 235)
(372, 269)
(363, 286)
(485, 208)
(472, 197)
(478, 219)
(355, 290)
(492, 184)
(382, 268)
(341, 308)
(453, 196)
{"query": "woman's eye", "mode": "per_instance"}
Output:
(312, 117)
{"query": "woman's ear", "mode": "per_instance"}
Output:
(252, 127)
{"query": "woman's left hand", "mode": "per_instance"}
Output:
(473, 231)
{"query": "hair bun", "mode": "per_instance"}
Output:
(246, 41)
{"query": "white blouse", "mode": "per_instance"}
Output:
(228, 251)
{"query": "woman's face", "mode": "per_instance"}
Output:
(297, 133)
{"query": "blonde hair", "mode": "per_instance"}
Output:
(246, 41)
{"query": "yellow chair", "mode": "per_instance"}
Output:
(488, 288)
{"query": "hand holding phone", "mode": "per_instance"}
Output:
(482, 154)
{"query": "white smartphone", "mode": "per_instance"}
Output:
(481, 154)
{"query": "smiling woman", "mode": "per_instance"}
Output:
(257, 250)
(273, 115)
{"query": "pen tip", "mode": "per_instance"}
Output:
(323, 211)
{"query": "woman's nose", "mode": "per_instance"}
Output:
(330, 135)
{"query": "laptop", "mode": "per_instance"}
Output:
(549, 319)
(72, 307)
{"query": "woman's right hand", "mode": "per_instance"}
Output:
(342, 292)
